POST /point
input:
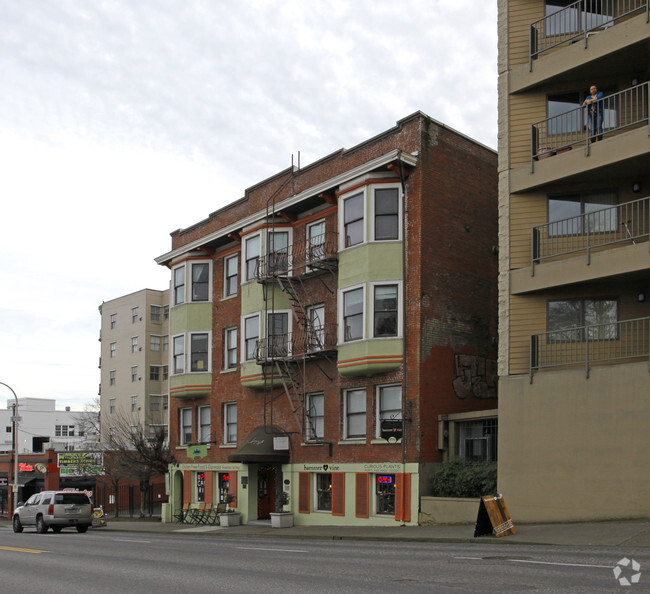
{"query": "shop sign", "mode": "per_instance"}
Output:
(25, 467)
(81, 463)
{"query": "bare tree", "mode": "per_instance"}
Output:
(88, 421)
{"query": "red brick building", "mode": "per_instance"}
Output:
(332, 308)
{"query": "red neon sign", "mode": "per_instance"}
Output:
(386, 479)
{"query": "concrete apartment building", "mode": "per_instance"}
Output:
(333, 333)
(574, 211)
(134, 361)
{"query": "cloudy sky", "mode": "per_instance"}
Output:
(123, 120)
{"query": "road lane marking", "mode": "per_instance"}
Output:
(130, 540)
(19, 550)
(274, 550)
(565, 564)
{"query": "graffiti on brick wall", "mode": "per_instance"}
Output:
(475, 375)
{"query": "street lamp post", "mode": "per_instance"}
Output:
(15, 420)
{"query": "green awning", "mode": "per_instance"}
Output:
(259, 447)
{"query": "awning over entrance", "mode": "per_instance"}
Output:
(259, 447)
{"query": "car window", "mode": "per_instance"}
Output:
(72, 498)
(47, 499)
(32, 500)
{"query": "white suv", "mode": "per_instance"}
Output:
(57, 509)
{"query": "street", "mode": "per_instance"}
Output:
(121, 561)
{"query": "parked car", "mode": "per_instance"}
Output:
(58, 509)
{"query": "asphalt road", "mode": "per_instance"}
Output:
(119, 561)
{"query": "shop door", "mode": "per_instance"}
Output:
(265, 492)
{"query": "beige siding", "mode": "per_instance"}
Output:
(526, 211)
(524, 110)
(527, 316)
(521, 14)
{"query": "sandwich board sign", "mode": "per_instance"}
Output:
(493, 517)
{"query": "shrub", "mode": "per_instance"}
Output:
(460, 478)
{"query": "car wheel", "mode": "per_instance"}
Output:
(18, 527)
(41, 526)
(82, 528)
(56, 529)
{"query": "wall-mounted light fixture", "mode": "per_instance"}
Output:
(636, 187)
(635, 81)
(641, 297)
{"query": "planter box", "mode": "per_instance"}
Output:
(281, 519)
(230, 519)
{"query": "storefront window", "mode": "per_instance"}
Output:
(224, 486)
(200, 486)
(385, 492)
(324, 491)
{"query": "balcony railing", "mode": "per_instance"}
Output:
(619, 111)
(576, 21)
(305, 256)
(585, 345)
(311, 343)
(625, 223)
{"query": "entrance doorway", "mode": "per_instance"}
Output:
(266, 479)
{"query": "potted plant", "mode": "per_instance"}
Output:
(282, 519)
(230, 517)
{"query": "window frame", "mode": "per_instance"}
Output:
(111, 405)
(134, 373)
(380, 416)
(134, 403)
(245, 338)
(390, 494)
(285, 344)
(322, 496)
(278, 261)
(178, 339)
(208, 351)
(184, 422)
(135, 314)
(342, 317)
(112, 350)
(228, 348)
(374, 215)
(246, 261)
(316, 338)
(347, 414)
(343, 225)
(201, 424)
(134, 344)
(312, 433)
(155, 313)
(113, 320)
(207, 283)
(582, 330)
(228, 423)
(228, 277)
(152, 343)
(315, 251)
(399, 310)
(178, 274)
(583, 203)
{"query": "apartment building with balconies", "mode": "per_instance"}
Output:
(574, 208)
(333, 332)
(134, 362)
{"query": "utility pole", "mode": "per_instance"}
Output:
(15, 419)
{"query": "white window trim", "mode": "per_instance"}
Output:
(346, 435)
(400, 309)
(226, 332)
(341, 214)
(188, 351)
(289, 315)
(198, 423)
(181, 434)
(226, 406)
(160, 344)
(315, 507)
(172, 355)
(244, 263)
(173, 285)
(341, 325)
(374, 187)
(190, 276)
(237, 256)
(242, 342)
(266, 245)
(308, 227)
(378, 404)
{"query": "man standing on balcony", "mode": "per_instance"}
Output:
(595, 111)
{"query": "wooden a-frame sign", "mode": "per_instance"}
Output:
(493, 517)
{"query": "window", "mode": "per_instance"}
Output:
(230, 422)
(165, 373)
(200, 486)
(230, 361)
(478, 440)
(185, 433)
(134, 373)
(385, 310)
(111, 377)
(134, 403)
(355, 414)
(165, 343)
(573, 205)
(155, 313)
(385, 494)
(154, 430)
(353, 223)
(231, 280)
(353, 314)
(111, 405)
(251, 336)
(154, 372)
(252, 256)
(164, 399)
(278, 334)
(134, 314)
(316, 241)
(201, 282)
(179, 285)
(316, 336)
(389, 404)
(278, 251)
(204, 424)
(113, 348)
(134, 344)
(154, 342)
(315, 417)
(179, 354)
(324, 492)
(113, 321)
(574, 320)
(199, 352)
(570, 118)
(64, 430)
(386, 214)
(166, 312)
(154, 402)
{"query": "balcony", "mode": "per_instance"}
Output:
(304, 344)
(615, 113)
(616, 342)
(578, 21)
(624, 224)
(314, 254)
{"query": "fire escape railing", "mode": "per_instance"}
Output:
(306, 342)
(584, 345)
(624, 223)
(577, 21)
(626, 109)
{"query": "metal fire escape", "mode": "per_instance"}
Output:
(296, 270)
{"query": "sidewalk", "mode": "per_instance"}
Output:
(627, 533)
